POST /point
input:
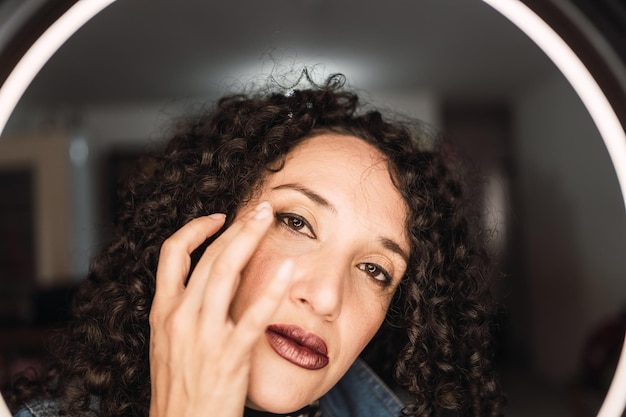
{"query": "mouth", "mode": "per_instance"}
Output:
(298, 346)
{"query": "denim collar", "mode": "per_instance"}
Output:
(360, 393)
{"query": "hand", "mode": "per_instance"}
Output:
(200, 358)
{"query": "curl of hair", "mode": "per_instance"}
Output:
(215, 163)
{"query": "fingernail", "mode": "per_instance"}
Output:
(263, 210)
(217, 216)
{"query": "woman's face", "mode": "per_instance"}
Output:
(342, 221)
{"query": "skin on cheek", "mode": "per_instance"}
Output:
(249, 287)
(254, 278)
(368, 331)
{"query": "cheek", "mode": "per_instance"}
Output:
(368, 324)
(254, 278)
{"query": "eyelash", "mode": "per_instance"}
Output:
(287, 219)
(386, 282)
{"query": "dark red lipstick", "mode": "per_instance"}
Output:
(307, 350)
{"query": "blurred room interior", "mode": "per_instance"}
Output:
(550, 196)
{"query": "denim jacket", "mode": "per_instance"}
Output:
(360, 393)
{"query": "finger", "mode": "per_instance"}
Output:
(217, 246)
(175, 255)
(223, 274)
(258, 316)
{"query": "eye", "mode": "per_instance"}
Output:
(377, 273)
(296, 223)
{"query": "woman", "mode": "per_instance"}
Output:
(255, 259)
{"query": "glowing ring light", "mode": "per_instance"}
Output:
(606, 121)
(40, 52)
(521, 15)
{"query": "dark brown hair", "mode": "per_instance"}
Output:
(439, 323)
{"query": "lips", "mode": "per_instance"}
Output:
(298, 346)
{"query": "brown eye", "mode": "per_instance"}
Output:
(296, 224)
(376, 272)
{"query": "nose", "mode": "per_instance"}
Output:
(320, 285)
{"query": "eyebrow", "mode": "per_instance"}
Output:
(312, 195)
(321, 201)
(394, 247)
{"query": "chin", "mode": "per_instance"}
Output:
(272, 408)
(275, 402)
(280, 394)
(278, 386)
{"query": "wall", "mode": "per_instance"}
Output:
(46, 154)
(574, 228)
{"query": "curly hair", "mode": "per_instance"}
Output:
(438, 327)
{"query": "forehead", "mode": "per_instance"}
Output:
(345, 152)
(350, 173)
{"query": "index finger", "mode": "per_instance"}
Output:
(175, 255)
